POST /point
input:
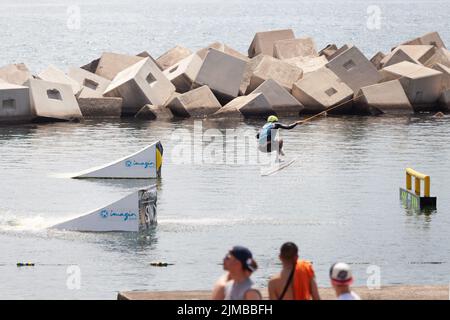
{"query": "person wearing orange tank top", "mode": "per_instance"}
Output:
(296, 281)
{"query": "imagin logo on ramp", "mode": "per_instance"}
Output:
(145, 164)
(126, 216)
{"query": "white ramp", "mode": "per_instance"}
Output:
(136, 212)
(143, 164)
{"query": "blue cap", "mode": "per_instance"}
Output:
(245, 257)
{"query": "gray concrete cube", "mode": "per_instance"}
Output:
(321, 90)
(53, 101)
(92, 84)
(183, 73)
(281, 101)
(291, 48)
(199, 102)
(387, 97)
(352, 67)
(142, 83)
(270, 68)
(173, 56)
(110, 64)
(422, 85)
(15, 104)
(100, 107)
(222, 73)
(263, 42)
(53, 74)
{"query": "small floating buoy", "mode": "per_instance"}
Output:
(160, 264)
(439, 115)
(21, 264)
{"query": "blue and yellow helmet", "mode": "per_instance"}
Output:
(272, 119)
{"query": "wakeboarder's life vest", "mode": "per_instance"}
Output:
(265, 134)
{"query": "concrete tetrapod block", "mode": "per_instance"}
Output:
(142, 83)
(100, 107)
(93, 85)
(441, 56)
(183, 73)
(200, 102)
(53, 74)
(222, 73)
(15, 73)
(281, 101)
(432, 38)
(291, 48)
(253, 105)
(221, 47)
(53, 101)
(377, 58)
(270, 68)
(342, 49)
(145, 54)
(413, 53)
(387, 97)
(322, 89)
(263, 42)
(14, 103)
(151, 112)
(249, 68)
(173, 56)
(328, 51)
(354, 69)
(308, 64)
(445, 75)
(91, 66)
(111, 64)
(422, 85)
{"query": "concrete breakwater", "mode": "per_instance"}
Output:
(280, 74)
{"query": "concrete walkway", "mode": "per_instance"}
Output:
(385, 293)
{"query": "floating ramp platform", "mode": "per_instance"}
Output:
(143, 164)
(136, 212)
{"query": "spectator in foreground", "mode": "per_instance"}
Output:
(341, 279)
(218, 292)
(236, 284)
(296, 281)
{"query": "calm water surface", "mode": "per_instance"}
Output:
(339, 201)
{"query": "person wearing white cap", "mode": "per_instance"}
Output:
(341, 279)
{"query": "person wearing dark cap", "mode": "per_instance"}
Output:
(240, 265)
(296, 281)
(341, 278)
(218, 292)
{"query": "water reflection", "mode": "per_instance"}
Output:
(121, 242)
(21, 132)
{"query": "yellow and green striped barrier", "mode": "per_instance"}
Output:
(414, 200)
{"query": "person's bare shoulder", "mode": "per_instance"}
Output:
(274, 286)
(276, 277)
(253, 294)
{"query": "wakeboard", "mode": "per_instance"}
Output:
(276, 167)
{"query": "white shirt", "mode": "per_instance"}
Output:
(349, 296)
